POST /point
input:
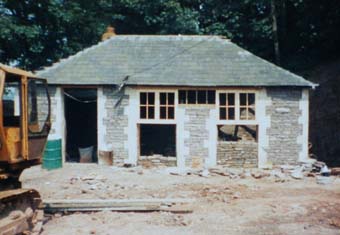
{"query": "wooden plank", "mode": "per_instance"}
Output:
(37, 228)
(182, 210)
(119, 201)
(142, 205)
(40, 215)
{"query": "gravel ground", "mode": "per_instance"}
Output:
(234, 204)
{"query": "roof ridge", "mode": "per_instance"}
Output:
(63, 61)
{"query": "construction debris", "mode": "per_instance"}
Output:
(227, 199)
(323, 180)
(317, 165)
(335, 171)
(325, 171)
(297, 173)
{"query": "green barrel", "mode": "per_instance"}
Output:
(52, 156)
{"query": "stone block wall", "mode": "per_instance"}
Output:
(285, 129)
(53, 99)
(115, 122)
(240, 154)
(157, 161)
(195, 125)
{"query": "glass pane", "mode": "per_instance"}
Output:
(151, 98)
(243, 113)
(223, 114)
(171, 98)
(163, 113)
(38, 104)
(243, 99)
(211, 97)
(171, 113)
(182, 96)
(191, 97)
(11, 104)
(231, 99)
(142, 98)
(142, 112)
(231, 113)
(202, 97)
(223, 99)
(151, 112)
(251, 99)
(162, 98)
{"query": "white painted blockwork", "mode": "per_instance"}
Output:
(101, 128)
(58, 128)
(131, 130)
(304, 121)
(262, 102)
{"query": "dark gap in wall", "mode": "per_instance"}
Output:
(81, 124)
(237, 133)
(157, 139)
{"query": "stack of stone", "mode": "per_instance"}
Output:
(238, 154)
(157, 160)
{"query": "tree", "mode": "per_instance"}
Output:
(275, 32)
(36, 33)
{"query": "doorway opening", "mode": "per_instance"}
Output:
(81, 124)
(157, 143)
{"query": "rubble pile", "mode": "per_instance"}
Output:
(282, 173)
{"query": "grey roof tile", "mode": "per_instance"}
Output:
(169, 61)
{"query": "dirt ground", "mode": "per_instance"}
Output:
(235, 204)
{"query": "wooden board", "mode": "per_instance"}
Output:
(137, 205)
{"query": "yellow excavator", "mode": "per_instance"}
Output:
(24, 127)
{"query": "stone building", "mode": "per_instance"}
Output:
(189, 101)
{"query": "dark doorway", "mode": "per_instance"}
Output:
(81, 124)
(157, 139)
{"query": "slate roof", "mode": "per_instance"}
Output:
(169, 61)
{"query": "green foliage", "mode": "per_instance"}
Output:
(35, 33)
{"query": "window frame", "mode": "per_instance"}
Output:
(167, 106)
(237, 119)
(247, 107)
(186, 92)
(226, 106)
(147, 105)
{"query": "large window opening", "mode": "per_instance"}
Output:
(236, 133)
(237, 146)
(81, 124)
(157, 140)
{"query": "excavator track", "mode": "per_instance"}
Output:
(19, 211)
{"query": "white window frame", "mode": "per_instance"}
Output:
(237, 120)
(157, 119)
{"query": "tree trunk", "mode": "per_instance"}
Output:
(275, 32)
(284, 41)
